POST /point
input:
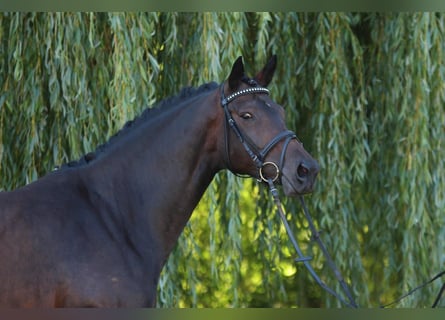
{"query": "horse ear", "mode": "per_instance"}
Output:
(236, 74)
(264, 77)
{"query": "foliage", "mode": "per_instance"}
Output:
(365, 92)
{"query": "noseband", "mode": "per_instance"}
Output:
(258, 155)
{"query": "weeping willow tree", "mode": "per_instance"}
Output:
(365, 92)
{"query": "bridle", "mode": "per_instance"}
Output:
(257, 154)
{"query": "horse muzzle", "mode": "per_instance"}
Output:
(301, 179)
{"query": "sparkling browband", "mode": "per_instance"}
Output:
(230, 98)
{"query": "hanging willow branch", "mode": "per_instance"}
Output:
(364, 92)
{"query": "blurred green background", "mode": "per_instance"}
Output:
(364, 91)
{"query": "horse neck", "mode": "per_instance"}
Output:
(157, 175)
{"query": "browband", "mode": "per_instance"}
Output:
(226, 100)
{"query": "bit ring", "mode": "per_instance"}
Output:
(269, 163)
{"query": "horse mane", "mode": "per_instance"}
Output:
(149, 113)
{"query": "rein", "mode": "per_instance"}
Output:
(304, 259)
(258, 157)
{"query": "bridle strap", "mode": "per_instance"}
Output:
(274, 141)
(285, 145)
(258, 162)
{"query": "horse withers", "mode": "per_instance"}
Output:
(98, 231)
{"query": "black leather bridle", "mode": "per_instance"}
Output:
(257, 154)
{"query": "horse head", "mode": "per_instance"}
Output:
(259, 143)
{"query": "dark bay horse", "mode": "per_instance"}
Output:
(98, 231)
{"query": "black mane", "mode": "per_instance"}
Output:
(148, 113)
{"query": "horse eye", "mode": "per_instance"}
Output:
(246, 116)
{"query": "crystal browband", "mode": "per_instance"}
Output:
(242, 92)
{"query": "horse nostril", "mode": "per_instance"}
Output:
(302, 172)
